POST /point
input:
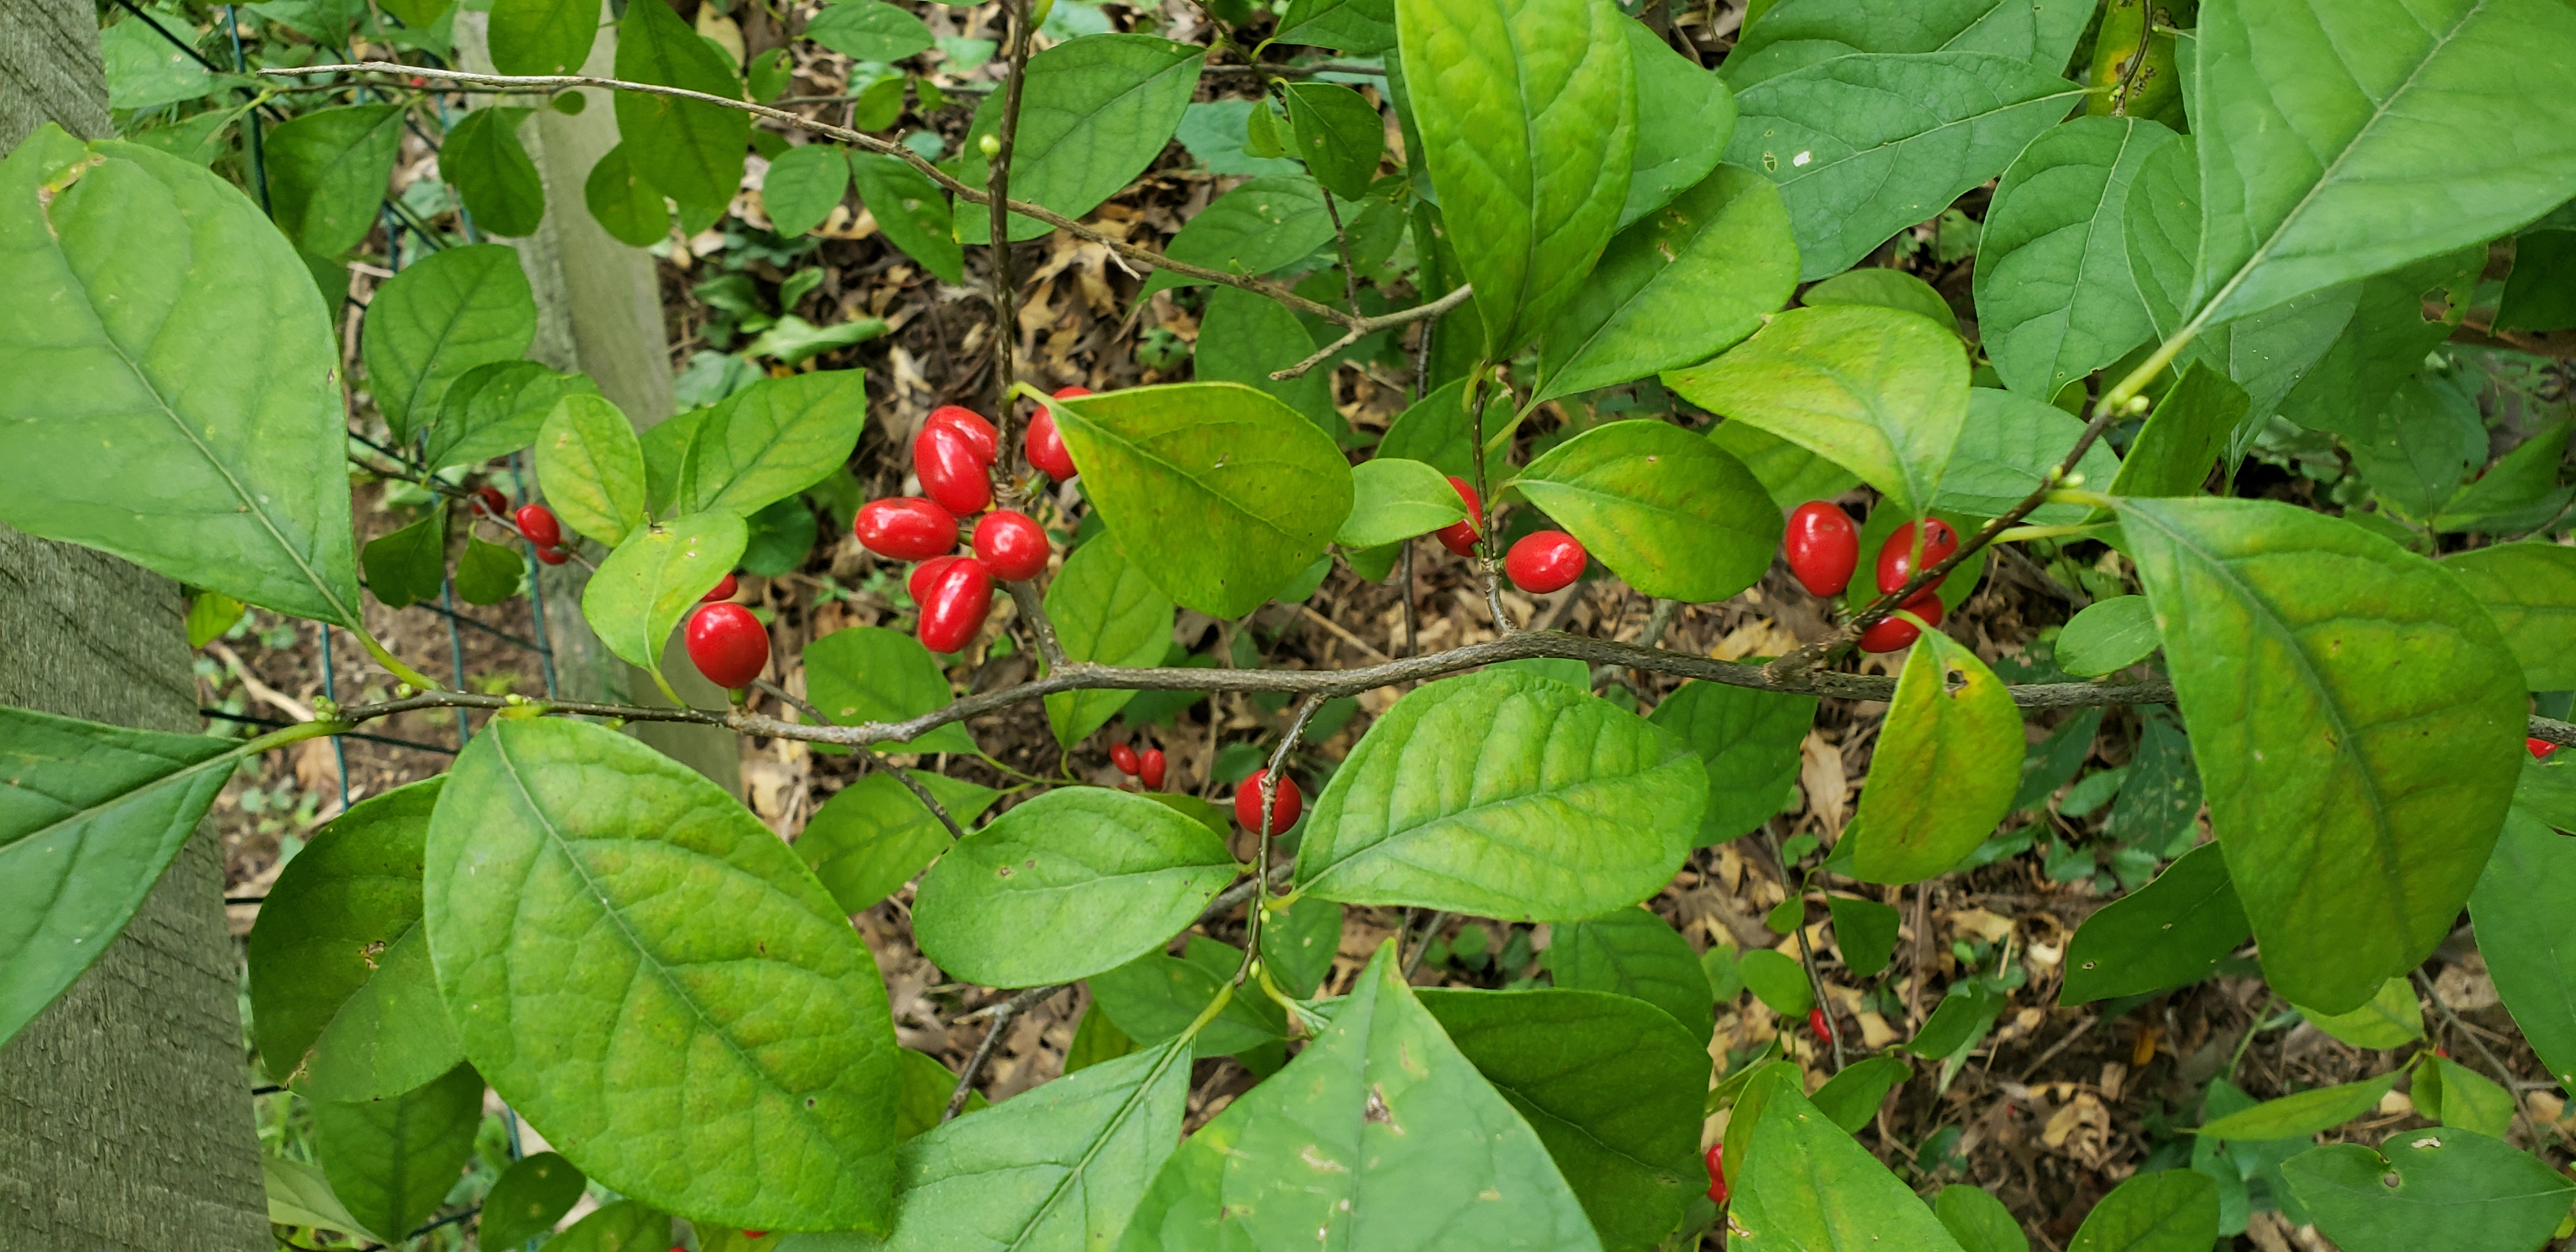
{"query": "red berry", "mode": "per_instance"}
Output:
(1012, 545)
(1046, 448)
(553, 556)
(1717, 1173)
(1071, 393)
(728, 644)
(952, 471)
(538, 523)
(1822, 547)
(1152, 772)
(978, 432)
(1125, 759)
(722, 591)
(1460, 536)
(1896, 556)
(1893, 634)
(1824, 1032)
(952, 614)
(2539, 747)
(1545, 561)
(491, 501)
(1284, 808)
(924, 574)
(908, 528)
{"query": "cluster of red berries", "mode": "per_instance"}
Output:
(535, 521)
(953, 455)
(1543, 560)
(1823, 548)
(1147, 767)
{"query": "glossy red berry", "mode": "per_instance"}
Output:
(553, 556)
(538, 523)
(2539, 747)
(952, 471)
(918, 583)
(1896, 557)
(722, 591)
(1012, 545)
(1126, 760)
(952, 611)
(908, 528)
(1460, 536)
(728, 644)
(1816, 1023)
(1822, 546)
(1285, 808)
(1152, 769)
(1717, 1173)
(1071, 393)
(1045, 447)
(491, 501)
(1545, 561)
(979, 433)
(1894, 634)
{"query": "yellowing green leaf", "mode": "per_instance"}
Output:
(1947, 765)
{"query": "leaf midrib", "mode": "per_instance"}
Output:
(1082, 1164)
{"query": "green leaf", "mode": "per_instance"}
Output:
(1946, 767)
(1260, 227)
(1978, 1220)
(1866, 145)
(1380, 1135)
(2390, 1019)
(542, 36)
(1778, 981)
(167, 335)
(392, 1161)
(483, 159)
(2356, 721)
(1073, 883)
(807, 182)
(528, 1199)
(2159, 805)
(2334, 147)
(1218, 492)
(1792, 474)
(2456, 1191)
(2522, 933)
(299, 1195)
(496, 409)
(2306, 1113)
(622, 1226)
(1693, 114)
(1105, 610)
(1610, 1087)
(873, 674)
(1785, 35)
(2530, 591)
(488, 573)
(89, 817)
(2169, 933)
(792, 340)
(1747, 740)
(1800, 1182)
(872, 836)
(1396, 499)
(1359, 27)
(2463, 1098)
(681, 939)
(1339, 135)
(1664, 509)
(911, 210)
(410, 564)
(2536, 292)
(2054, 298)
(1094, 112)
(1299, 942)
(654, 579)
(343, 1001)
(1681, 285)
(1436, 430)
(1851, 1099)
(1966, 1011)
(689, 150)
(773, 439)
(1155, 997)
(1880, 393)
(623, 204)
(2107, 635)
(327, 171)
(928, 1084)
(1245, 337)
(2185, 435)
(1528, 115)
(2419, 447)
(1894, 289)
(2386, 341)
(2172, 1210)
(1632, 952)
(869, 30)
(1507, 796)
(2006, 449)
(1865, 930)
(440, 317)
(592, 468)
(2521, 489)
(210, 615)
(146, 71)
(1056, 1169)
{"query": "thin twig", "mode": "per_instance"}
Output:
(1342, 631)
(2503, 1072)
(1422, 944)
(1363, 327)
(901, 774)
(1269, 813)
(993, 1035)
